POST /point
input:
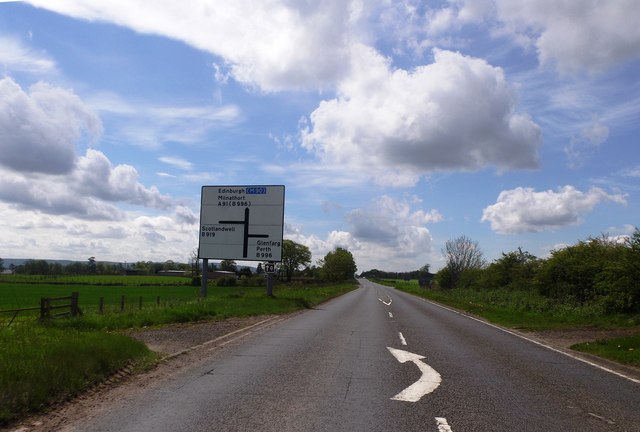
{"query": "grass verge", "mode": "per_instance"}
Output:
(518, 309)
(624, 350)
(40, 364)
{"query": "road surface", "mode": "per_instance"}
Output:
(377, 359)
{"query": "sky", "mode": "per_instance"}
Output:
(395, 125)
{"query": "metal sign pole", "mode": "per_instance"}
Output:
(205, 275)
(270, 284)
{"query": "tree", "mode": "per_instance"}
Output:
(259, 269)
(1, 264)
(338, 265)
(91, 265)
(228, 265)
(462, 254)
(294, 256)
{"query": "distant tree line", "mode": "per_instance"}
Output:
(421, 274)
(43, 267)
(601, 272)
(337, 265)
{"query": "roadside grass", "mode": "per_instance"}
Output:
(41, 363)
(624, 350)
(520, 309)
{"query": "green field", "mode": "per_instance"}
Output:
(23, 295)
(41, 362)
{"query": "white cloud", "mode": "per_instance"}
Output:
(388, 233)
(591, 137)
(96, 176)
(576, 35)
(133, 238)
(142, 124)
(275, 45)
(458, 113)
(16, 57)
(177, 162)
(90, 191)
(39, 129)
(525, 210)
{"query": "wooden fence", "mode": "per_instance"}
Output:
(49, 304)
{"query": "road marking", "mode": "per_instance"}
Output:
(428, 382)
(443, 426)
(386, 303)
(403, 341)
(390, 315)
(567, 354)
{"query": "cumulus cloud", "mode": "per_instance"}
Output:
(458, 113)
(90, 191)
(389, 222)
(525, 210)
(39, 129)
(63, 237)
(576, 35)
(388, 233)
(275, 45)
(40, 169)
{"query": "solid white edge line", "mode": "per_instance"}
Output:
(604, 368)
(403, 341)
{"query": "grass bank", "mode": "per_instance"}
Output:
(40, 363)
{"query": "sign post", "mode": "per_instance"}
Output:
(242, 223)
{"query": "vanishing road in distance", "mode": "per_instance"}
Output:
(377, 359)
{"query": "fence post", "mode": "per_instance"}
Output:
(43, 308)
(74, 303)
(122, 304)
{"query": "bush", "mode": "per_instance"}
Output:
(227, 281)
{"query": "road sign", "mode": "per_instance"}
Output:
(270, 268)
(241, 223)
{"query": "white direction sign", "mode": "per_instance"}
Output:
(242, 223)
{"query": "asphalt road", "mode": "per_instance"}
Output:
(338, 368)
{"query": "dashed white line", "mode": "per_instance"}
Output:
(443, 426)
(390, 315)
(403, 341)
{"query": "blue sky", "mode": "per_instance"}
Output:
(394, 125)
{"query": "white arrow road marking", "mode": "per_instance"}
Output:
(428, 382)
(443, 426)
(388, 303)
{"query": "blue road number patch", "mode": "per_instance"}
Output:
(256, 190)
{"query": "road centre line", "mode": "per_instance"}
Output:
(403, 341)
(567, 354)
(390, 315)
(443, 426)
